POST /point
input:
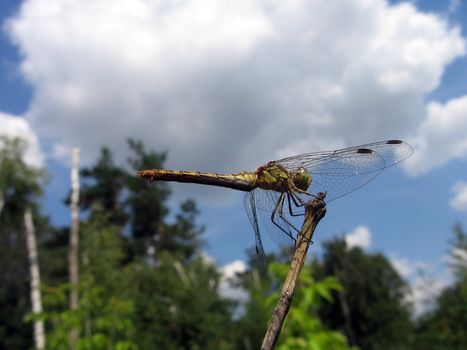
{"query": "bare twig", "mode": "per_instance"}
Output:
(314, 212)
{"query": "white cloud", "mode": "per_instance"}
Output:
(227, 85)
(459, 201)
(14, 126)
(460, 255)
(456, 259)
(360, 237)
(423, 287)
(407, 268)
(441, 136)
(423, 292)
(229, 273)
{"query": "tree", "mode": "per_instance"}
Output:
(21, 186)
(161, 295)
(103, 317)
(249, 329)
(459, 252)
(444, 326)
(303, 328)
(370, 310)
(103, 184)
(145, 201)
(135, 206)
(36, 295)
(177, 305)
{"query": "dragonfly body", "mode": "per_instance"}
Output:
(277, 191)
(268, 177)
(244, 181)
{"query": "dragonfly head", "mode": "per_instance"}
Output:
(302, 179)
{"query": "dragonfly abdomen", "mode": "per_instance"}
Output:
(245, 181)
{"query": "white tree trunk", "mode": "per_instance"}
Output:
(74, 232)
(36, 298)
(73, 263)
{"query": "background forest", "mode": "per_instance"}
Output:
(145, 282)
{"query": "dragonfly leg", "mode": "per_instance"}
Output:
(290, 199)
(278, 211)
(295, 190)
(291, 196)
(284, 219)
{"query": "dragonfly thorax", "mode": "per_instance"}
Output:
(273, 176)
(301, 179)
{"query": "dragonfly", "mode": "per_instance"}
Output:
(277, 192)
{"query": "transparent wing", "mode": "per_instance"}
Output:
(250, 208)
(341, 172)
(337, 173)
(274, 213)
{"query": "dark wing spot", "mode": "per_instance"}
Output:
(364, 150)
(394, 142)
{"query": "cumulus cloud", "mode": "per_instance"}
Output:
(423, 288)
(13, 126)
(227, 85)
(360, 237)
(229, 273)
(441, 136)
(423, 292)
(407, 268)
(459, 201)
(426, 281)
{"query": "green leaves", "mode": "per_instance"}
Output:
(371, 288)
(104, 316)
(145, 285)
(444, 326)
(303, 328)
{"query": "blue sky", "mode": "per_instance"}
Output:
(229, 87)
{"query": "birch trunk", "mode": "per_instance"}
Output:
(73, 263)
(36, 298)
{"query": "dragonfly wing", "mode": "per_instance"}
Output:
(343, 171)
(250, 207)
(274, 218)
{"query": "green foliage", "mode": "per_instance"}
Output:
(249, 329)
(178, 307)
(145, 201)
(181, 238)
(137, 206)
(459, 252)
(143, 283)
(371, 289)
(20, 187)
(103, 321)
(303, 328)
(444, 326)
(103, 185)
(104, 316)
